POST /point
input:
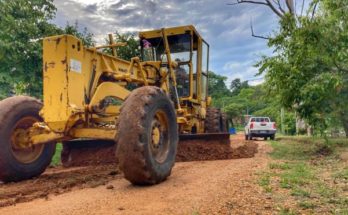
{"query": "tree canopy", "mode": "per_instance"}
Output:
(128, 51)
(309, 68)
(23, 24)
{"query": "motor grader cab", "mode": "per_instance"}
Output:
(182, 52)
(93, 100)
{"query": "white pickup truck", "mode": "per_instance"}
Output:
(260, 127)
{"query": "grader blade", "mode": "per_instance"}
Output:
(200, 147)
(88, 152)
(207, 137)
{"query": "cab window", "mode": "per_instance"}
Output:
(205, 68)
(180, 51)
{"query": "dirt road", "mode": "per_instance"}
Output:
(198, 187)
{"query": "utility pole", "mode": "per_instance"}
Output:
(297, 121)
(282, 120)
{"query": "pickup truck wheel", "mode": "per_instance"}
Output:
(246, 137)
(250, 136)
(272, 137)
(265, 138)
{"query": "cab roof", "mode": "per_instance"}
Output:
(169, 31)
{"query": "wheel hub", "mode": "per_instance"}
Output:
(156, 135)
(159, 137)
(20, 151)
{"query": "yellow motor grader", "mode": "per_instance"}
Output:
(144, 106)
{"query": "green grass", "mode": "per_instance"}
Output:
(300, 192)
(286, 211)
(307, 205)
(342, 174)
(281, 166)
(265, 181)
(195, 212)
(298, 174)
(56, 156)
(309, 171)
(291, 151)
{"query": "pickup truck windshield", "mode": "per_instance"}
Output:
(259, 119)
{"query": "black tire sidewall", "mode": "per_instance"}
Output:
(162, 170)
(213, 121)
(14, 170)
(250, 136)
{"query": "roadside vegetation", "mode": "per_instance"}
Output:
(56, 158)
(307, 175)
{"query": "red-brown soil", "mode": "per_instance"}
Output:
(208, 187)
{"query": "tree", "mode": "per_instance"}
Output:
(128, 51)
(85, 35)
(280, 8)
(216, 86)
(235, 112)
(310, 66)
(23, 24)
(237, 86)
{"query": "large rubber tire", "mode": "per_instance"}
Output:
(250, 137)
(139, 159)
(214, 122)
(13, 111)
(225, 125)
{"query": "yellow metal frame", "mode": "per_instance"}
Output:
(78, 81)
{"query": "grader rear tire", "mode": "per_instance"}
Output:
(214, 121)
(147, 136)
(16, 163)
(225, 125)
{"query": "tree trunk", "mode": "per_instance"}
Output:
(345, 126)
(309, 131)
(344, 120)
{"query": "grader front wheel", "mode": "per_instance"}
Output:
(18, 163)
(147, 136)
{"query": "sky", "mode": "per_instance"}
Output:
(233, 51)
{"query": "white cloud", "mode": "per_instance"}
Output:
(233, 50)
(256, 81)
(90, 2)
(245, 71)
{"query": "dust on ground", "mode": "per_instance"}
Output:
(204, 187)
